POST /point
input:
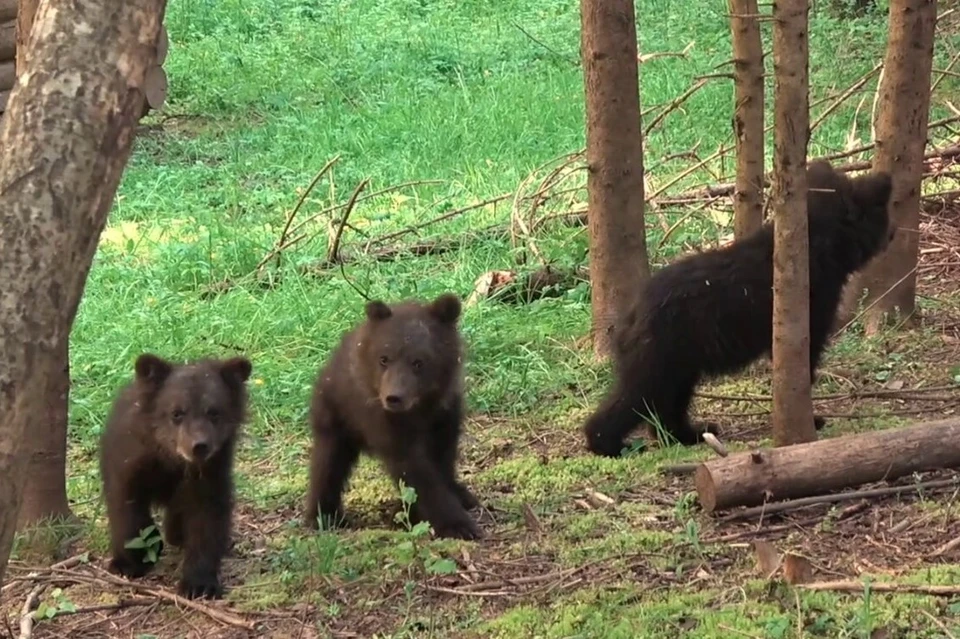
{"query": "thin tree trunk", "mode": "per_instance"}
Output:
(67, 135)
(792, 403)
(748, 117)
(902, 116)
(45, 440)
(26, 11)
(618, 248)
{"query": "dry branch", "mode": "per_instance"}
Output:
(103, 577)
(794, 504)
(857, 586)
(819, 467)
(26, 613)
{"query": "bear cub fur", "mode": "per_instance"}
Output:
(393, 389)
(170, 442)
(711, 313)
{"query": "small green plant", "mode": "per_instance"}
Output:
(58, 603)
(149, 541)
(413, 547)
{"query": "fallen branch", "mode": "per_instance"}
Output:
(858, 586)
(679, 469)
(103, 577)
(282, 240)
(333, 255)
(26, 612)
(794, 504)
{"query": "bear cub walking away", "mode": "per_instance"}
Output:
(394, 389)
(170, 442)
(711, 313)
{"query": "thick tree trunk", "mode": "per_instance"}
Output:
(902, 116)
(67, 136)
(818, 468)
(747, 117)
(792, 403)
(618, 248)
(45, 441)
(45, 447)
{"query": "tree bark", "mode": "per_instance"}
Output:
(26, 11)
(903, 113)
(67, 135)
(45, 441)
(748, 117)
(792, 403)
(618, 248)
(817, 468)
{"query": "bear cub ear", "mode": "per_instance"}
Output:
(446, 308)
(152, 369)
(378, 311)
(236, 370)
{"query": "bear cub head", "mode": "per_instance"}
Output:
(857, 209)
(410, 353)
(196, 408)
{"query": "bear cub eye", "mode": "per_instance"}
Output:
(213, 414)
(417, 364)
(177, 415)
(384, 360)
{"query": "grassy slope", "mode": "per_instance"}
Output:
(411, 90)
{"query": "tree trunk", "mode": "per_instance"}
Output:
(748, 117)
(792, 403)
(26, 11)
(618, 248)
(45, 447)
(902, 116)
(817, 468)
(67, 135)
(45, 441)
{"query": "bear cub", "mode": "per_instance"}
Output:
(711, 313)
(170, 442)
(393, 389)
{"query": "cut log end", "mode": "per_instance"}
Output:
(706, 488)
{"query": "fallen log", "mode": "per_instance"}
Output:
(8, 75)
(815, 468)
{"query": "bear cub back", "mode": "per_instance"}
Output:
(393, 388)
(170, 442)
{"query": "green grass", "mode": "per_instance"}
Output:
(262, 94)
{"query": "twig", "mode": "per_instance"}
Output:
(26, 612)
(843, 96)
(222, 616)
(281, 241)
(950, 546)
(674, 105)
(794, 504)
(446, 216)
(857, 586)
(939, 624)
(337, 207)
(66, 564)
(533, 39)
(333, 253)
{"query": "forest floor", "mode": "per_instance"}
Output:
(470, 130)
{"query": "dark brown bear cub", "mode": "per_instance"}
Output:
(170, 442)
(712, 313)
(394, 389)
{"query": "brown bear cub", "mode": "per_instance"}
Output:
(711, 313)
(394, 389)
(170, 442)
